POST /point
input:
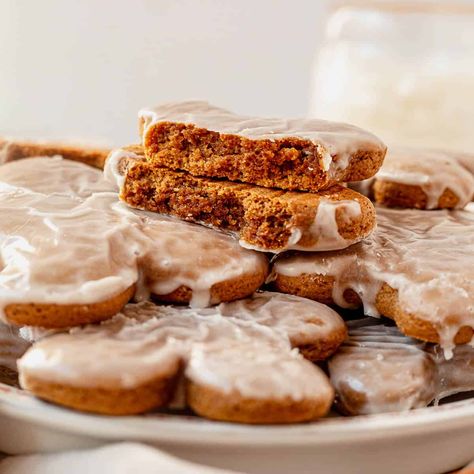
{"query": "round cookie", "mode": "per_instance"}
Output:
(188, 263)
(109, 400)
(64, 261)
(378, 369)
(423, 179)
(236, 363)
(415, 269)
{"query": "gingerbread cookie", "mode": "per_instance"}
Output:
(292, 154)
(378, 369)
(235, 367)
(422, 179)
(417, 268)
(73, 254)
(14, 149)
(264, 219)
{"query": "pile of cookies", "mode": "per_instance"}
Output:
(201, 270)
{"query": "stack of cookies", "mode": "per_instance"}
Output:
(274, 183)
(139, 287)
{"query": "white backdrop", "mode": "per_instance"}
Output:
(82, 68)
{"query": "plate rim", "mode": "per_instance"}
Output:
(186, 430)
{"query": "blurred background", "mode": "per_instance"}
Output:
(81, 69)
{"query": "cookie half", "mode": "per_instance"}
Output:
(291, 154)
(263, 219)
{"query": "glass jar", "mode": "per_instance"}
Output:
(403, 70)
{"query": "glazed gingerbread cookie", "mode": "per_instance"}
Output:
(378, 370)
(422, 179)
(263, 219)
(73, 254)
(237, 360)
(291, 154)
(417, 268)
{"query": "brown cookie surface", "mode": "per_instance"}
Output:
(264, 219)
(66, 315)
(13, 149)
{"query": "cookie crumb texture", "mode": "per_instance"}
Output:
(299, 154)
(264, 218)
(288, 163)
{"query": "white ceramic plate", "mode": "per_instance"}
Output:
(430, 440)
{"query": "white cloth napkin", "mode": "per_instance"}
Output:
(120, 458)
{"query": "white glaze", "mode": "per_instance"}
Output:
(66, 239)
(336, 141)
(54, 175)
(325, 228)
(427, 256)
(434, 171)
(116, 166)
(257, 371)
(145, 341)
(303, 320)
